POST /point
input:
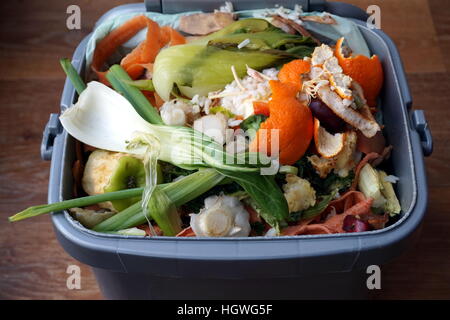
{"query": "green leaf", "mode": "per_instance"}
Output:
(252, 124)
(271, 38)
(323, 186)
(301, 51)
(74, 203)
(199, 69)
(246, 26)
(265, 193)
(313, 211)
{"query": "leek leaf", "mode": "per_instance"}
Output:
(106, 120)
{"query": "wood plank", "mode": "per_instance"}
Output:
(43, 35)
(441, 17)
(33, 265)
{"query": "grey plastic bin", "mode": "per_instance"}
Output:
(321, 266)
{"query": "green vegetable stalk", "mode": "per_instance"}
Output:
(179, 192)
(176, 193)
(74, 203)
(73, 75)
(120, 80)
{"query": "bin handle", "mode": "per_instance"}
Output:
(176, 6)
(153, 5)
(338, 8)
(345, 10)
(420, 124)
(52, 129)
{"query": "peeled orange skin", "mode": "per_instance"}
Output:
(293, 120)
(368, 72)
(291, 72)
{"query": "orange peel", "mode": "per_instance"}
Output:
(292, 72)
(292, 119)
(140, 57)
(341, 85)
(368, 72)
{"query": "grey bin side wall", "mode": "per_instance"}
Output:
(255, 258)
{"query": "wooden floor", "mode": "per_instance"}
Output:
(33, 37)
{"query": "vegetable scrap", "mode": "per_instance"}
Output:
(178, 138)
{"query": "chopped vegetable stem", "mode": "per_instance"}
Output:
(74, 203)
(179, 192)
(119, 80)
(145, 84)
(73, 75)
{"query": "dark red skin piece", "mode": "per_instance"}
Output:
(353, 224)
